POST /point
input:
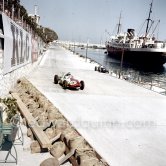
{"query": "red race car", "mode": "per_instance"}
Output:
(68, 81)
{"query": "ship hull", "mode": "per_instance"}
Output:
(143, 57)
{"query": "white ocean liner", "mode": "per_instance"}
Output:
(144, 50)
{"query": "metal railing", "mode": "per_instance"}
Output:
(154, 84)
(8, 134)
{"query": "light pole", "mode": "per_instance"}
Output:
(121, 62)
(86, 50)
(74, 48)
(3, 6)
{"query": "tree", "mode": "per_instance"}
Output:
(47, 35)
(50, 35)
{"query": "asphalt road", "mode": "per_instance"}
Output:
(125, 123)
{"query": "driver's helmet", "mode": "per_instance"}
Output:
(68, 74)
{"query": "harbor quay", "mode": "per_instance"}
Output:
(123, 122)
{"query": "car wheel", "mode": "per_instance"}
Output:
(99, 69)
(64, 84)
(95, 68)
(82, 85)
(56, 79)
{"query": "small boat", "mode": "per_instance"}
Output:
(144, 50)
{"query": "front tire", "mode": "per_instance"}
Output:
(56, 79)
(82, 85)
(95, 68)
(98, 68)
(65, 84)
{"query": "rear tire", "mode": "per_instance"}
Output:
(95, 68)
(82, 85)
(64, 84)
(56, 79)
(99, 69)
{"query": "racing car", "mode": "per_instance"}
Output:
(101, 69)
(68, 81)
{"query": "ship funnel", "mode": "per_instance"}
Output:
(130, 33)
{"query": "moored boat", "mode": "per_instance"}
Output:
(143, 50)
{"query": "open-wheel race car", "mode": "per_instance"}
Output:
(101, 69)
(68, 81)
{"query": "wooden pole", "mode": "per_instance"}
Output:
(74, 47)
(86, 52)
(121, 62)
(3, 6)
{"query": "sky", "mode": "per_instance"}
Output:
(95, 20)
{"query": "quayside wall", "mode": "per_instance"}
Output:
(20, 53)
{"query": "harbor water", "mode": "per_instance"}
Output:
(155, 76)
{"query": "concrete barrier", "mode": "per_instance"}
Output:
(8, 81)
(20, 53)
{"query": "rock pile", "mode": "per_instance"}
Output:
(54, 123)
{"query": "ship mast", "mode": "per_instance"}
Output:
(148, 20)
(119, 24)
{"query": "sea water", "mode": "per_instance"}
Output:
(155, 74)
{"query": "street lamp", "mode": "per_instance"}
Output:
(121, 62)
(86, 50)
(74, 48)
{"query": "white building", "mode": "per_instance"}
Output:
(35, 16)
